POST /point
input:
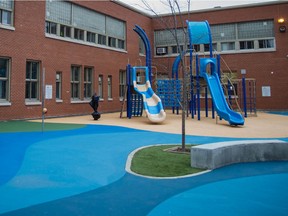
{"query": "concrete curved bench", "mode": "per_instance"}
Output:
(215, 155)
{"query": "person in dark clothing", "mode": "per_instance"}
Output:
(94, 103)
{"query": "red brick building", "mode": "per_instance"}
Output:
(84, 47)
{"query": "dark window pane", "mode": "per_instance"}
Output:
(3, 67)
(34, 70)
(58, 90)
(28, 70)
(102, 39)
(3, 89)
(34, 90)
(27, 90)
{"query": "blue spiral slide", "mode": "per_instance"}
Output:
(152, 103)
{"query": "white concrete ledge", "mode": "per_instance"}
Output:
(215, 155)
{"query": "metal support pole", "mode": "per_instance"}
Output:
(206, 101)
(244, 96)
(128, 83)
(43, 98)
(198, 87)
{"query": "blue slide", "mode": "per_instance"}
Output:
(216, 91)
(152, 103)
(200, 33)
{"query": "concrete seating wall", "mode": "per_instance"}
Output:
(215, 155)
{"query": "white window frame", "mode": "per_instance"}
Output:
(6, 79)
(58, 86)
(122, 84)
(88, 83)
(75, 84)
(109, 87)
(100, 87)
(31, 80)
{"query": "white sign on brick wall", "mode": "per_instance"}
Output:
(266, 91)
(48, 92)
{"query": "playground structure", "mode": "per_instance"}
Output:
(139, 93)
(204, 73)
(152, 103)
(209, 69)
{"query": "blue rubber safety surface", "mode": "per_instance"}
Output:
(285, 113)
(82, 172)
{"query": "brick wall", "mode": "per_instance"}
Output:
(28, 42)
(268, 68)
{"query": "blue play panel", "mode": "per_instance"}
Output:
(82, 172)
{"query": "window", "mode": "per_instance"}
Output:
(59, 12)
(226, 46)
(175, 49)
(91, 37)
(84, 24)
(165, 41)
(122, 83)
(196, 48)
(65, 31)
(121, 44)
(51, 28)
(223, 32)
(109, 87)
(75, 82)
(111, 42)
(266, 44)
(88, 82)
(249, 36)
(6, 12)
(116, 29)
(246, 44)
(207, 47)
(58, 85)
(78, 34)
(6, 17)
(32, 81)
(102, 39)
(166, 37)
(100, 86)
(255, 29)
(4, 79)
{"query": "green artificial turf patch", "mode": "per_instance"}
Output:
(154, 161)
(26, 126)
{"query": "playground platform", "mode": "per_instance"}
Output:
(265, 125)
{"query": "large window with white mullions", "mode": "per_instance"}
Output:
(122, 84)
(88, 82)
(32, 81)
(75, 82)
(253, 36)
(58, 85)
(6, 12)
(68, 21)
(4, 79)
(100, 86)
(109, 87)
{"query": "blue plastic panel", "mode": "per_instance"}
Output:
(199, 32)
